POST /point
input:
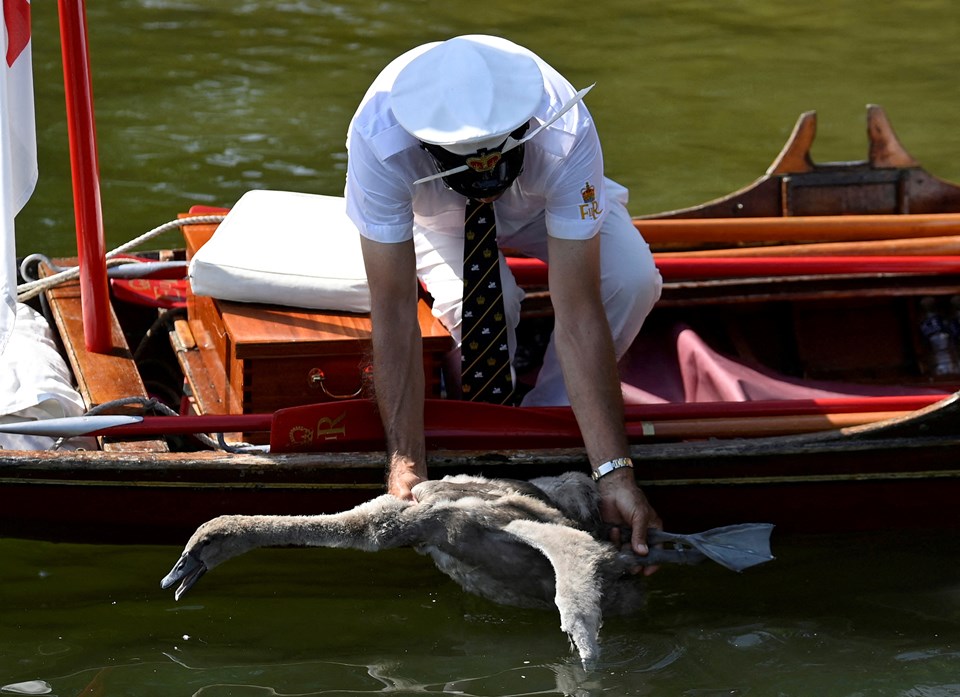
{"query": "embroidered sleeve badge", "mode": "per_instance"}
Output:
(590, 208)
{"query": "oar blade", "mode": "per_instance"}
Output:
(68, 426)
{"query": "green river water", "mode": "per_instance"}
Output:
(199, 101)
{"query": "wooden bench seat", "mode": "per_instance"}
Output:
(101, 377)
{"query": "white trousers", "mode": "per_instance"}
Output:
(629, 283)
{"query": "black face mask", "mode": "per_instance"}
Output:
(490, 172)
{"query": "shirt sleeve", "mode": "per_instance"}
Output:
(575, 192)
(379, 201)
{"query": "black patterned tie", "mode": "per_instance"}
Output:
(484, 352)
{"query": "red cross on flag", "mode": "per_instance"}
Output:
(18, 147)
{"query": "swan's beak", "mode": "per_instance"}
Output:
(187, 571)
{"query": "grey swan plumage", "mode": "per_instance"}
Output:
(528, 544)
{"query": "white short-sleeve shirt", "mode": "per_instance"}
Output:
(561, 184)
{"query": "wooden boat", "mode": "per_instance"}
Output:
(814, 275)
(776, 300)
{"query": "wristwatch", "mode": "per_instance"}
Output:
(611, 465)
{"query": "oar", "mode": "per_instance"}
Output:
(924, 246)
(753, 426)
(775, 407)
(737, 547)
(822, 228)
(355, 424)
(751, 267)
(467, 425)
(533, 272)
(136, 426)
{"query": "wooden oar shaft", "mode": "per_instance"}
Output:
(753, 427)
(798, 228)
(947, 245)
(779, 407)
(532, 272)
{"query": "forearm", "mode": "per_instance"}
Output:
(399, 387)
(587, 358)
(397, 360)
(585, 348)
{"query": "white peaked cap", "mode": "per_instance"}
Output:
(467, 93)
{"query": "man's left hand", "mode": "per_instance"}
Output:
(624, 505)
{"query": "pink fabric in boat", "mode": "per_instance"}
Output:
(656, 370)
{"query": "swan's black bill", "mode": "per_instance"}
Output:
(187, 571)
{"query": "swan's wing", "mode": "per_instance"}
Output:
(575, 556)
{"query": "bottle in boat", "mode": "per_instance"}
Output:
(940, 357)
(953, 321)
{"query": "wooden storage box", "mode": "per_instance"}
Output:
(252, 358)
(272, 357)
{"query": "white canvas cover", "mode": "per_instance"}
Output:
(35, 383)
(285, 248)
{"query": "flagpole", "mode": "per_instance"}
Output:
(85, 169)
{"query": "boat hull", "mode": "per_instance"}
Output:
(802, 485)
(758, 273)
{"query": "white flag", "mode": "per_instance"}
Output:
(18, 147)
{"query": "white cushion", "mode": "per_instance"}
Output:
(285, 248)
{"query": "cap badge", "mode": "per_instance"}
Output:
(484, 161)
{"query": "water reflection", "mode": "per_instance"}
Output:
(864, 615)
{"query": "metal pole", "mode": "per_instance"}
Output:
(85, 169)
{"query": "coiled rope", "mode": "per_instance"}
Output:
(33, 288)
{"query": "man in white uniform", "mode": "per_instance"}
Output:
(480, 118)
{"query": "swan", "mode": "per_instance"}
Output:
(528, 544)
